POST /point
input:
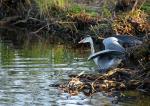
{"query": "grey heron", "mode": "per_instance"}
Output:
(113, 53)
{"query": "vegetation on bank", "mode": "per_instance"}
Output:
(103, 19)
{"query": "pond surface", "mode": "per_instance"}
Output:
(26, 73)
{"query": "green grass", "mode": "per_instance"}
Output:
(76, 8)
(46, 7)
(58, 7)
(146, 7)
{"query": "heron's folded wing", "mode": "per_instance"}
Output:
(115, 46)
(130, 40)
(105, 52)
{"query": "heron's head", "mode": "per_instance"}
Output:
(87, 39)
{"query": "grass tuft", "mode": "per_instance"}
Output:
(47, 7)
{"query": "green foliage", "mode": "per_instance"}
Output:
(101, 29)
(91, 12)
(43, 6)
(106, 13)
(46, 7)
(146, 7)
(75, 8)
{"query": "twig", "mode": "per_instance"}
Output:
(142, 90)
(134, 6)
(75, 27)
(80, 74)
(24, 20)
(93, 30)
(141, 64)
(99, 78)
(38, 30)
(36, 19)
(60, 22)
(142, 4)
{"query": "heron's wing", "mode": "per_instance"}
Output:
(114, 46)
(105, 52)
(130, 40)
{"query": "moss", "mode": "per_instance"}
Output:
(76, 8)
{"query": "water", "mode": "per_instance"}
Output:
(27, 71)
(25, 75)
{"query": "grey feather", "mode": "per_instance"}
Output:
(106, 52)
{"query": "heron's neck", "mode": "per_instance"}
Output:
(92, 47)
(93, 51)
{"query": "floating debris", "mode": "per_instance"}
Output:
(119, 79)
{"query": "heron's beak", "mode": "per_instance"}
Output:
(80, 41)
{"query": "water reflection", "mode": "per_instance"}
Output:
(26, 73)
